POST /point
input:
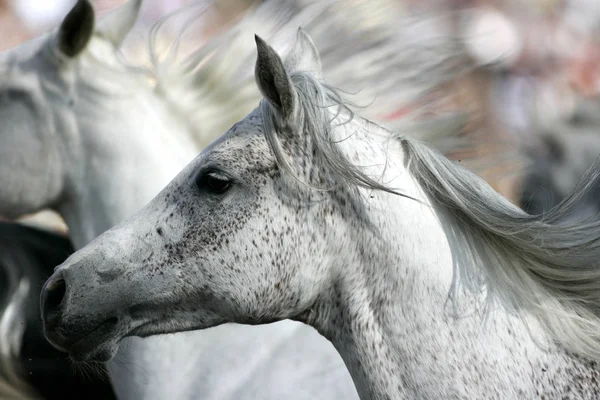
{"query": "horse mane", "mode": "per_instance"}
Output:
(536, 265)
(396, 64)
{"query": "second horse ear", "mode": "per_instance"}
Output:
(304, 56)
(76, 29)
(115, 25)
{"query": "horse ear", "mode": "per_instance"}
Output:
(304, 56)
(115, 25)
(274, 82)
(76, 29)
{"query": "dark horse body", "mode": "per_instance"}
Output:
(561, 157)
(28, 255)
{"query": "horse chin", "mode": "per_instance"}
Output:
(100, 345)
(103, 353)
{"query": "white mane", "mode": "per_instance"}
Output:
(386, 66)
(389, 64)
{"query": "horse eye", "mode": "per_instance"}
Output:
(213, 182)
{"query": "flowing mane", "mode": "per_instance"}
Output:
(215, 77)
(413, 55)
(398, 61)
(533, 264)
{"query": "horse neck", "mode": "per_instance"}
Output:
(390, 303)
(386, 308)
(365, 312)
(129, 145)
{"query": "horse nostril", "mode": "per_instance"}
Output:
(54, 292)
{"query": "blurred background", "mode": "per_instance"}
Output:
(537, 85)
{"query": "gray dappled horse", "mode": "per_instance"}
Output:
(428, 283)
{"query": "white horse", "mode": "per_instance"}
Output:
(75, 118)
(90, 137)
(304, 211)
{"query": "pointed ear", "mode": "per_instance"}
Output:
(304, 56)
(115, 25)
(274, 82)
(76, 29)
